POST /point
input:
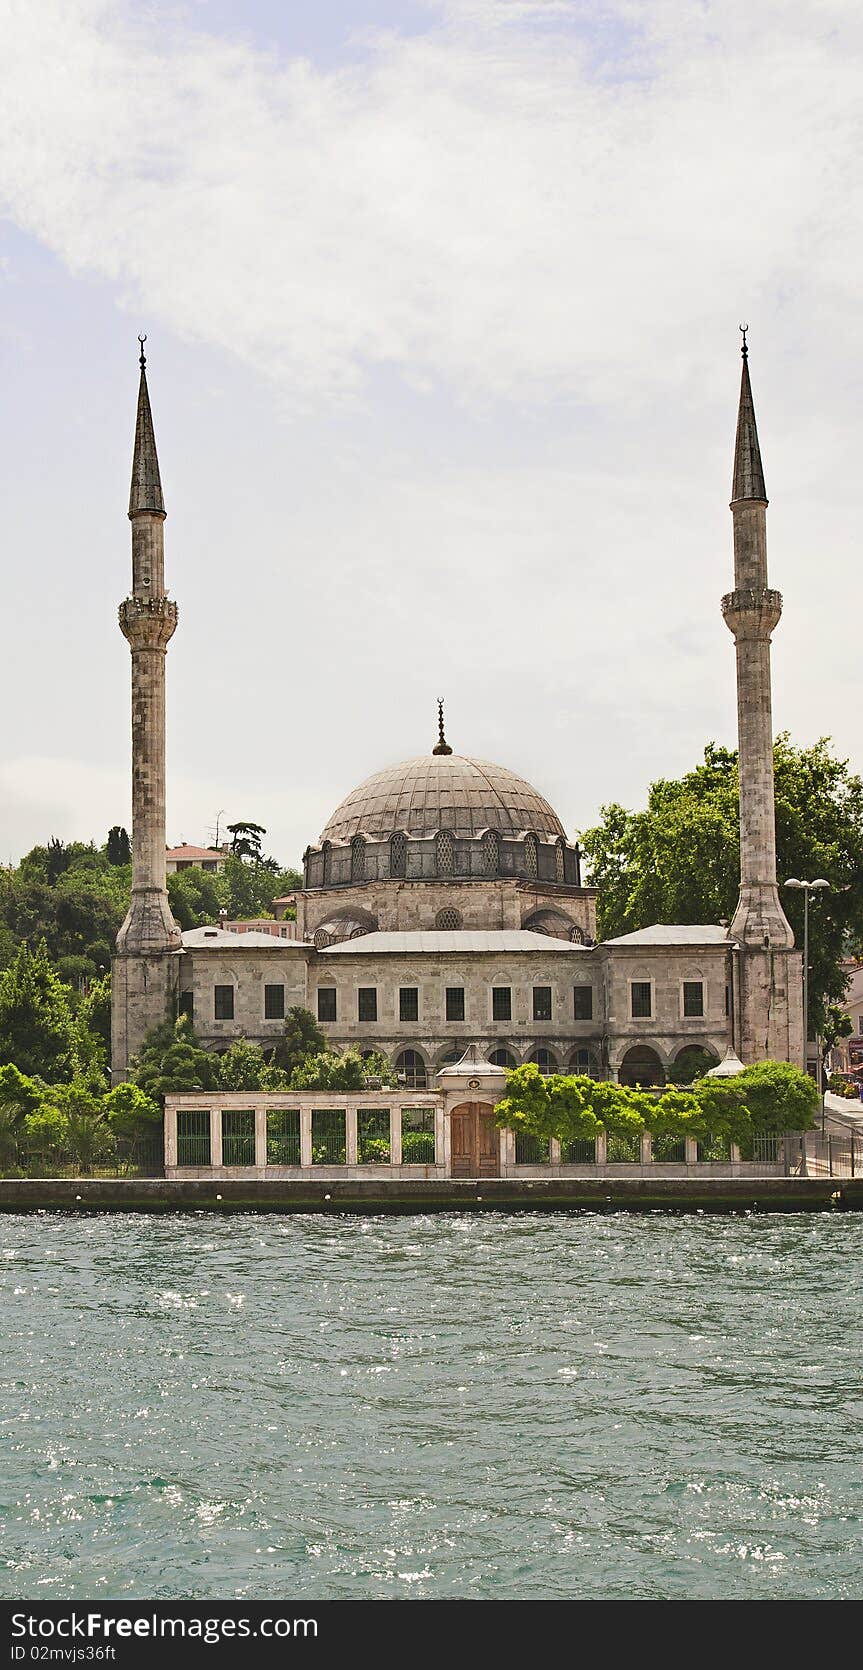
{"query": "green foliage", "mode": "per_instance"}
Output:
(301, 1038)
(246, 840)
(242, 1066)
(328, 1071)
(172, 1059)
(130, 1112)
(779, 1097)
(118, 849)
(94, 1011)
(691, 1065)
(771, 1096)
(377, 1066)
(678, 861)
(37, 1027)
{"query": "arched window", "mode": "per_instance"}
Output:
(411, 1063)
(503, 1058)
(398, 854)
(358, 858)
(326, 851)
(445, 852)
(560, 859)
(491, 852)
(531, 856)
(448, 921)
(544, 1060)
(584, 1062)
(450, 1058)
(641, 1065)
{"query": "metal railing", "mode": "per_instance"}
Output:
(329, 1141)
(283, 1137)
(418, 1139)
(238, 1137)
(373, 1136)
(130, 1158)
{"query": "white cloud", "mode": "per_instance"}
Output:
(508, 202)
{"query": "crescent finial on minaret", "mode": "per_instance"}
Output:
(441, 746)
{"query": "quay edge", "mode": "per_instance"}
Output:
(553, 1194)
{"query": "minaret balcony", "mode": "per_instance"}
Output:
(751, 612)
(148, 622)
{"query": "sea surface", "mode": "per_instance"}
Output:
(485, 1406)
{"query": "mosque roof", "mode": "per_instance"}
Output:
(443, 791)
(679, 933)
(465, 939)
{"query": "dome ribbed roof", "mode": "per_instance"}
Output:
(443, 791)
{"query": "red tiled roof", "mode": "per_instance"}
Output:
(192, 852)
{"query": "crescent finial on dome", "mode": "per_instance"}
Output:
(441, 746)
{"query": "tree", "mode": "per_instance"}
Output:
(95, 1010)
(242, 1066)
(329, 1071)
(118, 850)
(678, 861)
(172, 1059)
(246, 840)
(37, 1027)
(301, 1038)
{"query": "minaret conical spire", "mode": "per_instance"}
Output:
(145, 493)
(748, 471)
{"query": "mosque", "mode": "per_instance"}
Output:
(443, 908)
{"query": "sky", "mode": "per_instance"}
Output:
(442, 302)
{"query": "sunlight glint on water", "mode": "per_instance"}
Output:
(489, 1406)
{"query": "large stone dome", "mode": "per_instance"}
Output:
(443, 791)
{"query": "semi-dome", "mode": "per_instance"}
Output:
(443, 791)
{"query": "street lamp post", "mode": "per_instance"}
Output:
(807, 887)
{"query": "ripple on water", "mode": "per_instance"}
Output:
(452, 1405)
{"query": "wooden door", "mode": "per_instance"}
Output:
(475, 1141)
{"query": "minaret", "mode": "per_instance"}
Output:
(752, 611)
(148, 619)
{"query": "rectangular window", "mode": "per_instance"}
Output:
(329, 1143)
(274, 1003)
(455, 1003)
(283, 1137)
(326, 1003)
(409, 1003)
(542, 1003)
(583, 996)
(238, 1137)
(693, 997)
(501, 1003)
(641, 1007)
(186, 1005)
(193, 1137)
(417, 1136)
(224, 1003)
(367, 1003)
(373, 1136)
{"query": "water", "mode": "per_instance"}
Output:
(489, 1406)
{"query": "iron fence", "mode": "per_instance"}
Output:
(283, 1137)
(373, 1136)
(668, 1150)
(143, 1158)
(531, 1150)
(193, 1137)
(238, 1137)
(580, 1152)
(418, 1144)
(329, 1140)
(623, 1148)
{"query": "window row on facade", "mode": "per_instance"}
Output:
(455, 1007)
(366, 1006)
